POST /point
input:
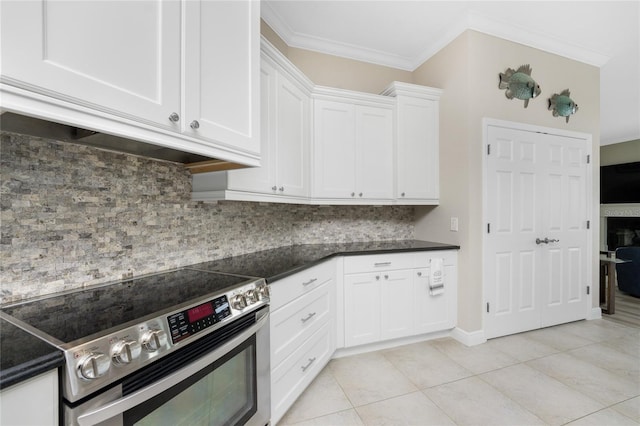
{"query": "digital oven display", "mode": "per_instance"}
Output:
(193, 320)
(200, 312)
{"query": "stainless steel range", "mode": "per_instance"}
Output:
(182, 347)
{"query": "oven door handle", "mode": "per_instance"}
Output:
(121, 405)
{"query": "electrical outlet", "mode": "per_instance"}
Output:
(454, 224)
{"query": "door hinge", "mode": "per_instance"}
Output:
(487, 307)
(488, 149)
(588, 159)
(588, 224)
(488, 228)
(588, 289)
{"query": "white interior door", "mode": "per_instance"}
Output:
(535, 189)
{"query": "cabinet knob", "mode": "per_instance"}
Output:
(194, 124)
(360, 194)
(353, 194)
(273, 188)
(174, 117)
(377, 277)
(419, 274)
(402, 195)
(386, 277)
(281, 189)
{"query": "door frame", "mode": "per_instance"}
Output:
(486, 123)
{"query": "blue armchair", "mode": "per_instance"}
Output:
(629, 273)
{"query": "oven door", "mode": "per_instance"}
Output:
(229, 385)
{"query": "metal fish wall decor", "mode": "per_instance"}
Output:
(562, 105)
(519, 84)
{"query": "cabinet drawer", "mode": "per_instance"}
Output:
(292, 376)
(287, 289)
(377, 262)
(422, 259)
(295, 322)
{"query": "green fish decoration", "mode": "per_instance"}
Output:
(562, 105)
(519, 84)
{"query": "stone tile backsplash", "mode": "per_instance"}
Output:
(73, 215)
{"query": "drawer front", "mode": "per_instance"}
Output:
(291, 377)
(421, 259)
(287, 289)
(377, 262)
(295, 322)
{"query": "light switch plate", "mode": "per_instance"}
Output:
(454, 224)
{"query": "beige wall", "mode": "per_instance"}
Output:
(334, 71)
(620, 153)
(467, 70)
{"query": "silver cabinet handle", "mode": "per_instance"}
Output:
(174, 117)
(308, 317)
(311, 281)
(194, 124)
(378, 264)
(311, 361)
(553, 241)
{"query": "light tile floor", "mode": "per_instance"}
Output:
(582, 373)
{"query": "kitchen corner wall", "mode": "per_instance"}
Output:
(73, 216)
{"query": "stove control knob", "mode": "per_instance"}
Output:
(252, 296)
(125, 351)
(264, 291)
(153, 340)
(239, 302)
(94, 365)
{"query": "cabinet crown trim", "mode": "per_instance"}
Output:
(398, 88)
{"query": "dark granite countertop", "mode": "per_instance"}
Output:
(275, 264)
(23, 356)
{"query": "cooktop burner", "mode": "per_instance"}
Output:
(81, 314)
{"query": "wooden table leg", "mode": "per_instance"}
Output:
(611, 296)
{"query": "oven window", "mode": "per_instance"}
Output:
(224, 393)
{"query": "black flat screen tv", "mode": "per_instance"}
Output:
(620, 183)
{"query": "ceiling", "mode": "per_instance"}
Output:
(404, 34)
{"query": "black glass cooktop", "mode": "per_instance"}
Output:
(75, 315)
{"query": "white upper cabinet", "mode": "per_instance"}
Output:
(352, 150)
(417, 139)
(180, 74)
(221, 66)
(285, 131)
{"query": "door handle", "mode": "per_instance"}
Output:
(546, 241)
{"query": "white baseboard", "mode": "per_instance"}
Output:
(388, 344)
(472, 338)
(595, 313)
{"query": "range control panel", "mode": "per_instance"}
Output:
(190, 321)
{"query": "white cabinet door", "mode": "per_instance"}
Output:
(119, 57)
(396, 310)
(374, 152)
(32, 402)
(292, 139)
(353, 151)
(417, 149)
(259, 179)
(222, 80)
(434, 311)
(334, 156)
(362, 300)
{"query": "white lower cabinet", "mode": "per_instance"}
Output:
(32, 402)
(389, 296)
(382, 297)
(302, 332)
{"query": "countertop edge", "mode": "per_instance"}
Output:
(360, 252)
(32, 368)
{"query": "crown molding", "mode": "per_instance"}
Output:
(471, 21)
